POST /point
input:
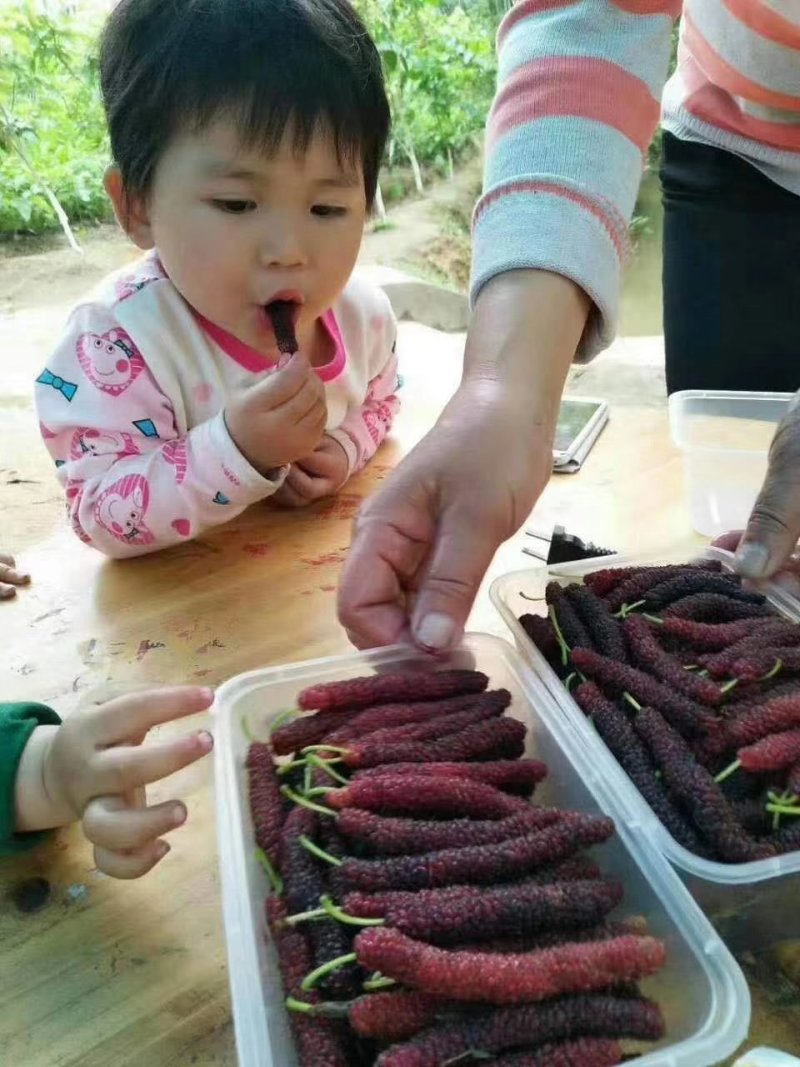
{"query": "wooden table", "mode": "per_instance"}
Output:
(114, 973)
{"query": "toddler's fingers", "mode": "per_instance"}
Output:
(109, 823)
(10, 574)
(130, 864)
(119, 770)
(7, 591)
(305, 485)
(131, 716)
(284, 382)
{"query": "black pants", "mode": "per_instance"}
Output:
(731, 273)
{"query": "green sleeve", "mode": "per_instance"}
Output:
(17, 723)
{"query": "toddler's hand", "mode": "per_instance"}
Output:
(280, 418)
(96, 769)
(10, 577)
(317, 476)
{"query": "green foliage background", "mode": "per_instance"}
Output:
(440, 69)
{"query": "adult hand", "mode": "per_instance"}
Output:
(422, 543)
(766, 548)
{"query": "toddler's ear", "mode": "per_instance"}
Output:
(131, 213)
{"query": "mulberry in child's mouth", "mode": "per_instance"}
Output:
(281, 314)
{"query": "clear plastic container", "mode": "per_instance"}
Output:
(702, 990)
(725, 438)
(753, 904)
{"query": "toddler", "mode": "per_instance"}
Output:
(247, 137)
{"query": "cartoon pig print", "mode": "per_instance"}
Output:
(88, 441)
(109, 360)
(121, 510)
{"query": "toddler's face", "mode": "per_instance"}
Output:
(236, 229)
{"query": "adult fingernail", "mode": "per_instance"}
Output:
(436, 632)
(207, 694)
(752, 559)
(177, 814)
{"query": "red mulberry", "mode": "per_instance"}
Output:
(390, 688)
(480, 863)
(500, 978)
(563, 1018)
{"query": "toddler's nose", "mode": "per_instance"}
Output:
(281, 245)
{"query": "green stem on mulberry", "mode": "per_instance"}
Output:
(327, 748)
(293, 1004)
(569, 681)
(778, 666)
(320, 853)
(783, 809)
(327, 767)
(562, 644)
(281, 718)
(317, 975)
(653, 618)
(728, 686)
(378, 982)
(297, 799)
(732, 768)
(292, 765)
(633, 703)
(335, 912)
(314, 915)
(274, 878)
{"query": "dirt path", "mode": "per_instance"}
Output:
(38, 290)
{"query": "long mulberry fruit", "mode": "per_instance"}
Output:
(697, 790)
(563, 1018)
(385, 716)
(499, 978)
(502, 738)
(644, 579)
(572, 629)
(480, 863)
(390, 688)
(319, 1042)
(684, 585)
(772, 753)
(417, 795)
(709, 636)
(684, 714)
(519, 776)
(603, 629)
(618, 734)
(648, 654)
(266, 800)
(397, 836)
(473, 913)
(712, 607)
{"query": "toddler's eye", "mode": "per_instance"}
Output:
(235, 207)
(328, 211)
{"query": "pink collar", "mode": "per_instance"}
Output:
(252, 360)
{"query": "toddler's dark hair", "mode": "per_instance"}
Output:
(270, 64)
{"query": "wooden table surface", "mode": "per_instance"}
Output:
(115, 973)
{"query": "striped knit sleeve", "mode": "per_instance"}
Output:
(579, 86)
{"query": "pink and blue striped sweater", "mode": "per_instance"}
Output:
(579, 90)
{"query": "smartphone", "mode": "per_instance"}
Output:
(580, 421)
